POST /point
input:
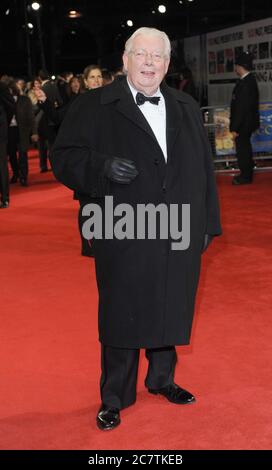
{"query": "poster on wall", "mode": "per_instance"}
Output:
(223, 48)
(224, 143)
(261, 140)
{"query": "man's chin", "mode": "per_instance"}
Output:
(149, 84)
(148, 79)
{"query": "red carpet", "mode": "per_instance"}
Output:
(50, 354)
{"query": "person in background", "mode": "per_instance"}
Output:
(92, 76)
(187, 84)
(7, 109)
(244, 117)
(119, 72)
(57, 115)
(20, 133)
(92, 79)
(107, 77)
(36, 83)
(47, 128)
(62, 84)
(73, 87)
(21, 84)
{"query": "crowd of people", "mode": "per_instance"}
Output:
(32, 113)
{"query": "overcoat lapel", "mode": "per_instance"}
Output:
(174, 116)
(125, 104)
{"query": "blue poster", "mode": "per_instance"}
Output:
(262, 138)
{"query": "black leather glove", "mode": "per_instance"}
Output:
(120, 170)
(207, 240)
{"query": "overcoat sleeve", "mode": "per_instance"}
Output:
(74, 161)
(213, 225)
(6, 99)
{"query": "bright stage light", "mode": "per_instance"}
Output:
(35, 6)
(74, 14)
(162, 8)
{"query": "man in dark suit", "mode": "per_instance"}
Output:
(46, 128)
(244, 117)
(141, 142)
(7, 109)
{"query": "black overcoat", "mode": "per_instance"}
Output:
(244, 109)
(25, 120)
(146, 290)
(7, 110)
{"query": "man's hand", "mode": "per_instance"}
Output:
(207, 240)
(234, 134)
(120, 170)
(34, 138)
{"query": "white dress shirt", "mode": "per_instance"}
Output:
(155, 116)
(245, 75)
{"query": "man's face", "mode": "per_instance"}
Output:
(21, 85)
(146, 65)
(240, 71)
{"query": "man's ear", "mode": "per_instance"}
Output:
(167, 62)
(125, 61)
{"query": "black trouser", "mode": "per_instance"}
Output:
(43, 152)
(244, 155)
(46, 143)
(86, 245)
(19, 165)
(120, 369)
(4, 177)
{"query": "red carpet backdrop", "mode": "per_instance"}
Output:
(49, 350)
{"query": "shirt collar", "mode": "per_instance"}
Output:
(134, 91)
(245, 75)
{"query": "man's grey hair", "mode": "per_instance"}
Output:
(149, 32)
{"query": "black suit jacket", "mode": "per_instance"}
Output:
(244, 113)
(52, 94)
(7, 109)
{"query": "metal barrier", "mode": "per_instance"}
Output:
(216, 123)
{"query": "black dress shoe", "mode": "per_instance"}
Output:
(175, 394)
(13, 179)
(23, 181)
(44, 170)
(108, 418)
(241, 180)
(4, 205)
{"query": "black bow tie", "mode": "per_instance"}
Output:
(141, 99)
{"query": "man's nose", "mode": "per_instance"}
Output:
(148, 59)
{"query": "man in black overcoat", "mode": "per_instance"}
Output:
(47, 129)
(141, 142)
(244, 117)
